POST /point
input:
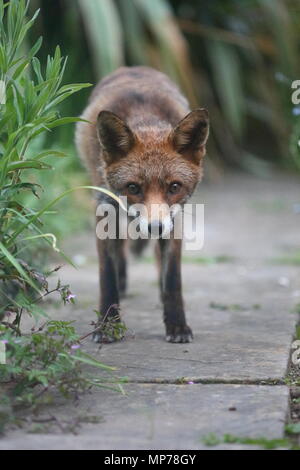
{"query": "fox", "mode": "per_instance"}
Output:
(139, 138)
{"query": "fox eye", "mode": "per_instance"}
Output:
(133, 188)
(174, 188)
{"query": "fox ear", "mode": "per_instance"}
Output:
(115, 136)
(190, 135)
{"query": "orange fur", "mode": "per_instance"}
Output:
(141, 132)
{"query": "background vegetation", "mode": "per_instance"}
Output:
(48, 356)
(237, 58)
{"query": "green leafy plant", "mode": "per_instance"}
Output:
(28, 110)
(238, 59)
(48, 358)
(293, 428)
(40, 365)
(212, 439)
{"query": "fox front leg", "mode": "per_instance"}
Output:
(177, 330)
(109, 321)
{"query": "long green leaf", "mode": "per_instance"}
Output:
(52, 203)
(104, 30)
(28, 164)
(87, 359)
(18, 267)
(228, 84)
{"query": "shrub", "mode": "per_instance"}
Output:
(49, 356)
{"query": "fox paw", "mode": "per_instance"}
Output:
(179, 334)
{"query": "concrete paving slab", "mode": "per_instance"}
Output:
(167, 417)
(235, 339)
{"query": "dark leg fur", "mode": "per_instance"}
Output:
(112, 264)
(122, 268)
(137, 246)
(112, 260)
(177, 331)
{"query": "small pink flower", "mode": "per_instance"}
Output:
(70, 297)
(4, 341)
(75, 346)
(191, 383)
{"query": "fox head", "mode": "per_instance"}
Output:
(155, 166)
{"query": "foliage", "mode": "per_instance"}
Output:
(236, 58)
(28, 111)
(212, 439)
(248, 60)
(293, 428)
(48, 358)
(42, 364)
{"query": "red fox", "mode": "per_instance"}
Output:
(143, 142)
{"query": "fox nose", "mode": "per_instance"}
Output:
(155, 228)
